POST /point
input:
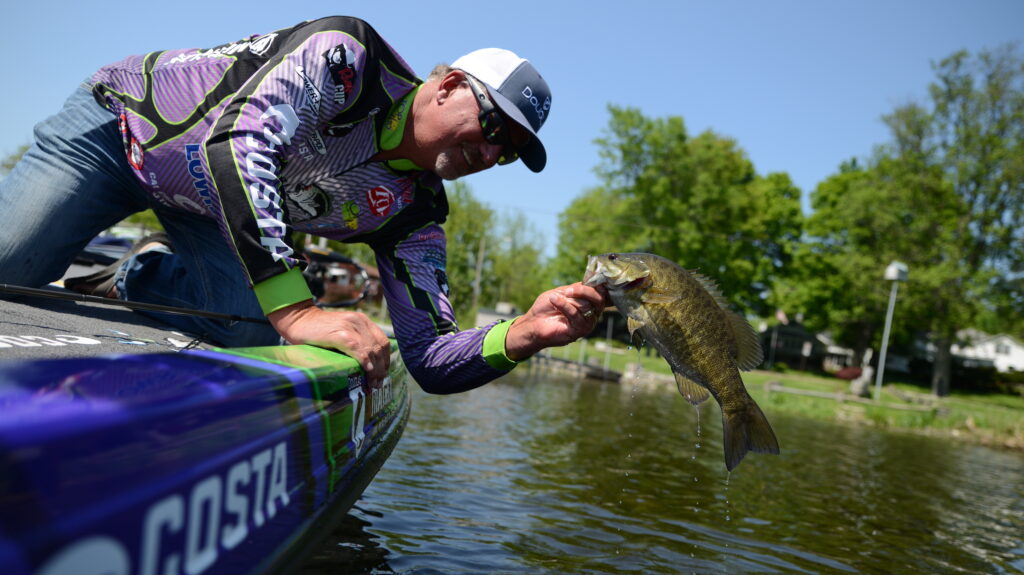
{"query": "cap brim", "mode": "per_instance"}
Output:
(533, 153)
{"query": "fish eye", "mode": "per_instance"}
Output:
(613, 257)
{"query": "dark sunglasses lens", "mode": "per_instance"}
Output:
(507, 156)
(495, 133)
(492, 125)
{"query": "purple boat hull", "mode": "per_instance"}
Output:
(202, 461)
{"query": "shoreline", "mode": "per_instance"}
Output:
(902, 409)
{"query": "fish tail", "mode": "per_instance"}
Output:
(747, 430)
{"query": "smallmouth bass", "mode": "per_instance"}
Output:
(684, 316)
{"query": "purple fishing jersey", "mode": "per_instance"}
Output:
(276, 133)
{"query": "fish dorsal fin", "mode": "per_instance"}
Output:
(656, 294)
(691, 391)
(711, 287)
(748, 345)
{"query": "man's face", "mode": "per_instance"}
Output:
(463, 150)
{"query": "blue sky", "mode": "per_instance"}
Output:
(800, 85)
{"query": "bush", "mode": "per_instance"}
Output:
(974, 378)
(1012, 377)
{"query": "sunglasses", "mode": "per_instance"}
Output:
(492, 122)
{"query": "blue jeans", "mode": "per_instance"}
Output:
(73, 183)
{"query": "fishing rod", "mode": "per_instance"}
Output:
(135, 305)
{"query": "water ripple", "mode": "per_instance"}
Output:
(535, 475)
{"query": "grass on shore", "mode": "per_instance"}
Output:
(990, 419)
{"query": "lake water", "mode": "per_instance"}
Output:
(537, 473)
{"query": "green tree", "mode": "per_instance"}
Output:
(468, 231)
(518, 272)
(697, 201)
(946, 196)
(491, 258)
(863, 218)
(8, 163)
(596, 222)
(974, 135)
(147, 219)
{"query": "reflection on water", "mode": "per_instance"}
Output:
(535, 474)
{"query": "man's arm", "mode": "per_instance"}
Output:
(558, 317)
(348, 331)
(445, 360)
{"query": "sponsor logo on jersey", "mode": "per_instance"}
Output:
(262, 170)
(442, 281)
(195, 169)
(257, 46)
(428, 236)
(313, 99)
(313, 96)
(341, 63)
(408, 190)
(132, 147)
(395, 118)
(340, 130)
(136, 156)
(380, 200)
(435, 258)
(350, 211)
(261, 44)
(309, 202)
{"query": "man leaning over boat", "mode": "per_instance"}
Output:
(320, 128)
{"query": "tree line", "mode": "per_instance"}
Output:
(945, 195)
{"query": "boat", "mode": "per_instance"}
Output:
(126, 447)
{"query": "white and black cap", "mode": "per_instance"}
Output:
(518, 90)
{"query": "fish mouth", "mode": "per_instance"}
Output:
(592, 277)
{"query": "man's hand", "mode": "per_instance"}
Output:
(558, 316)
(347, 331)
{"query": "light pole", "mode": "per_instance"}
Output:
(897, 272)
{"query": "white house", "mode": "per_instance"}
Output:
(1002, 351)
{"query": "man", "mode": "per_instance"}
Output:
(320, 128)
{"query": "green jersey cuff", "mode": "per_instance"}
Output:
(282, 291)
(494, 346)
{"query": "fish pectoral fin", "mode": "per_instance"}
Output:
(633, 325)
(637, 339)
(691, 391)
(635, 335)
(655, 294)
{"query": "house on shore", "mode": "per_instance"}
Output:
(978, 349)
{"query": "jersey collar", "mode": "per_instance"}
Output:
(394, 129)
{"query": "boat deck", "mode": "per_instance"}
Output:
(33, 327)
(130, 447)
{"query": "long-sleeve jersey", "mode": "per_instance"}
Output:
(277, 132)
